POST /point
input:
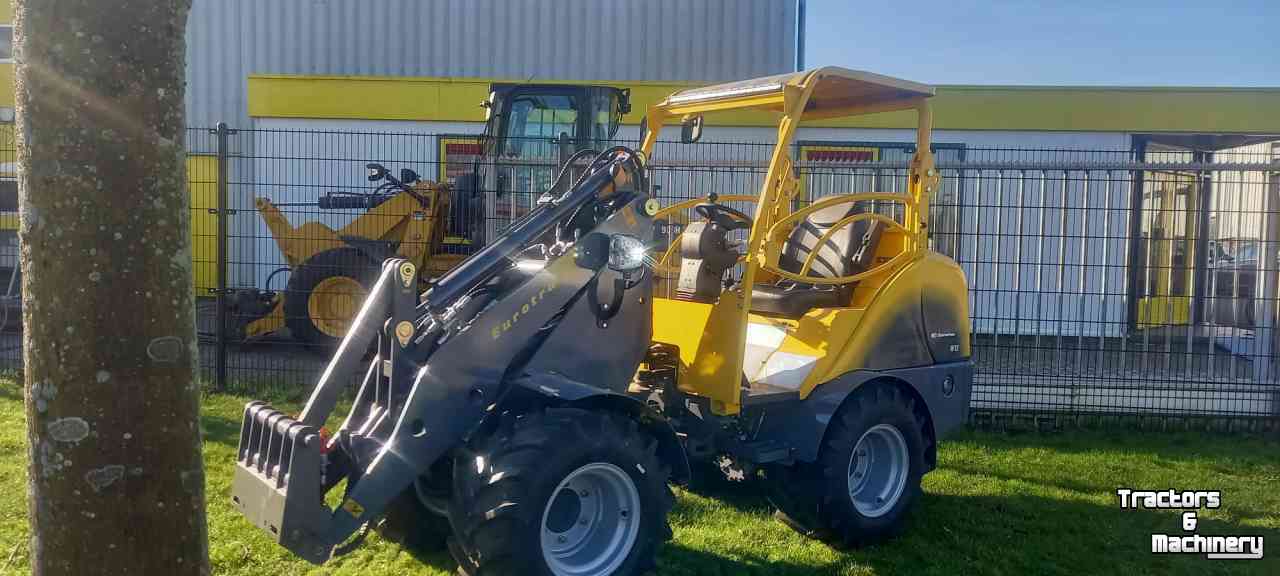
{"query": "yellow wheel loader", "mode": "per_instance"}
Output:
(530, 409)
(530, 130)
(331, 270)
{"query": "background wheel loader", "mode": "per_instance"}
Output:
(330, 271)
(533, 405)
(531, 129)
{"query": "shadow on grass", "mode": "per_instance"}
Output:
(1175, 446)
(220, 430)
(746, 496)
(11, 390)
(945, 534)
(438, 559)
(1020, 534)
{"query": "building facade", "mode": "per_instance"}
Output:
(418, 69)
(1087, 219)
(229, 41)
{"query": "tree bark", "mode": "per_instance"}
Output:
(116, 482)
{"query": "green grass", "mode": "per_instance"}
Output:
(999, 504)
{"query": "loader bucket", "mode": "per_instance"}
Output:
(277, 480)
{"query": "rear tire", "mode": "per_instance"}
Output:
(325, 293)
(867, 475)
(560, 492)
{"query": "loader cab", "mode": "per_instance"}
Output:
(530, 131)
(531, 122)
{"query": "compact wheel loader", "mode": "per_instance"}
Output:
(330, 271)
(529, 128)
(532, 407)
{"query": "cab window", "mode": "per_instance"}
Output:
(536, 121)
(605, 108)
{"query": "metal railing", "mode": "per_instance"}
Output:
(1102, 282)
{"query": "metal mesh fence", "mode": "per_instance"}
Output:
(10, 278)
(1114, 282)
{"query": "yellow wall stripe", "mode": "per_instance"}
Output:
(6, 70)
(6, 81)
(202, 178)
(1211, 110)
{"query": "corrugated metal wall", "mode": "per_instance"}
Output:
(679, 40)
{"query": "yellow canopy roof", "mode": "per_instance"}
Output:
(838, 91)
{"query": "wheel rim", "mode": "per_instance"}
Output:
(591, 522)
(333, 303)
(878, 470)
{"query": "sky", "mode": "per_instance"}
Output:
(1051, 42)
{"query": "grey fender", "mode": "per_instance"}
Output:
(802, 425)
(582, 395)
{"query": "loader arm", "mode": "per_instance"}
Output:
(445, 360)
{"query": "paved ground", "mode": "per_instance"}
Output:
(1151, 373)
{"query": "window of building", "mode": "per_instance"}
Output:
(8, 195)
(6, 43)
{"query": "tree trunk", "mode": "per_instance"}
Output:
(116, 478)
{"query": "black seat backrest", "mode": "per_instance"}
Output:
(847, 252)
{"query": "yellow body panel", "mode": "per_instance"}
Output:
(841, 339)
(818, 334)
(704, 333)
(900, 293)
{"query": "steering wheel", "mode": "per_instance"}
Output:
(724, 216)
(676, 214)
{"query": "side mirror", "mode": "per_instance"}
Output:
(488, 105)
(624, 101)
(376, 171)
(691, 130)
(644, 129)
(408, 176)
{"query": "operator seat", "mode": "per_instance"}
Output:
(849, 251)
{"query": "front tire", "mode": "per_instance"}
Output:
(325, 293)
(561, 492)
(414, 527)
(417, 519)
(867, 475)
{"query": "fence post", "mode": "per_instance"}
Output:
(1136, 272)
(1201, 298)
(1264, 300)
(220, 362)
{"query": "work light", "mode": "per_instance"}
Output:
(625, 252)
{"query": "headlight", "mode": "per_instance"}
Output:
(626, 252)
